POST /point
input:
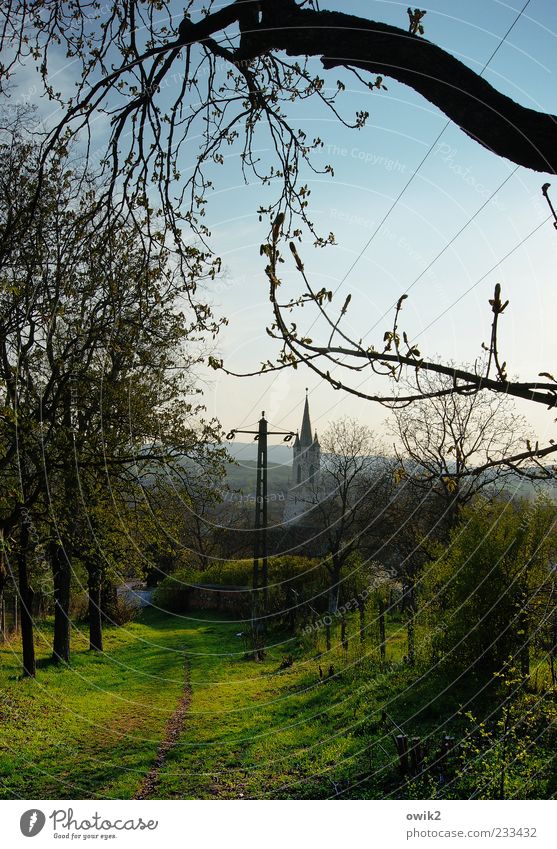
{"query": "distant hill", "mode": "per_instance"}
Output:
(243, 477)
(246, 451)
(519, 487)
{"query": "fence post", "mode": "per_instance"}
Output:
(401, 742)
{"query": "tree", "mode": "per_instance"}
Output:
(454, 445)
(95, 375)
(233, 75)
(145, 49)
(345, 497)
(449, 448)
(128, 418)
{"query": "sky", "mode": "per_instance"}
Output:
(447, 312)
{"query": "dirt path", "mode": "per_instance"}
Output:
(172, 732)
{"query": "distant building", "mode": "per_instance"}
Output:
(305, 476)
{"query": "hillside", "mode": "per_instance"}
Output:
(243, 477)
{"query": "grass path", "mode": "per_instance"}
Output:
(172, 733)
(257, 731)
(127, 724)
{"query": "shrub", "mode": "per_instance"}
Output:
(293, 581)
(479, 596)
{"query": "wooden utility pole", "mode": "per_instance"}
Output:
(260, 582)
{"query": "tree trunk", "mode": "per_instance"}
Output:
(2, 617)
(61, 572)
(25, 600)
(95, 617)
(2, 585)
(452, 512)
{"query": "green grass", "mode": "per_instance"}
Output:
(255, 731)
(91, 730)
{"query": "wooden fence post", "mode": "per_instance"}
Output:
(401, 742)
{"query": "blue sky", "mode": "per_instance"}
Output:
(371, 168)
(447, 311)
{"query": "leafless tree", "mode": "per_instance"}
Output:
(345, 498)
(454, 445)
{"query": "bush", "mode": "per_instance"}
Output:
(124, 611)
(172, 593)
(292, 581)
(480, 596)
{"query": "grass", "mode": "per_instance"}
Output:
(256, 731)
(90, 729)
(253, 730)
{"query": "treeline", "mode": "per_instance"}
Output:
(99, 334)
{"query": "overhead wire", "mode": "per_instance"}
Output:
(399, 197)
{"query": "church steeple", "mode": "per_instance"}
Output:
(305, 434)
(304, 481)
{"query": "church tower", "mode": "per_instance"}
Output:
(304, 479)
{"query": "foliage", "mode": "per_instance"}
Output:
(293, 582)
(99, 333)
(479, 596)
(507, 757)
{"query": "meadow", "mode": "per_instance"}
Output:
(303, 723)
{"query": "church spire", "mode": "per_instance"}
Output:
(305, 433)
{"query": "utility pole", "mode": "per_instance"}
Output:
(260, 582)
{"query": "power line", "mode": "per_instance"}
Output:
(403, 191)
(472, 287)
(446, 247)
(427, 155)
(487, 273)
(409, 182)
